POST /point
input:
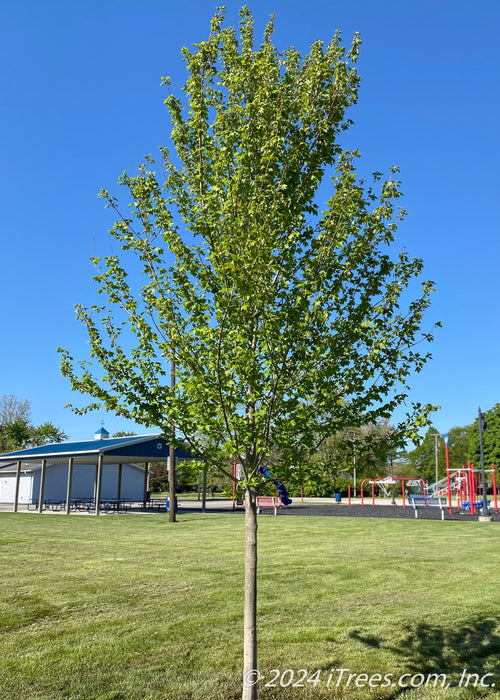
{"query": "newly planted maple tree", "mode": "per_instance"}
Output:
(289, 321)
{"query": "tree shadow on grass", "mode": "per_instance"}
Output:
(424, 649)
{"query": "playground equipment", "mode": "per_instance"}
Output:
(467, 488)
(440, 488)
(428, 502)
(383, 482)
(464, 484)
(281, 489)
(283, 494)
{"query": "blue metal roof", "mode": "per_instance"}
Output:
(134, 448)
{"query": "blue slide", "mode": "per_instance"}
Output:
(285, 499)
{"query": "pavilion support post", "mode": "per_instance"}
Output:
(42, 485)
(95, 482)
(69, 486)
(18, 482)
(98, 486)
(145, 486)
(119, 488)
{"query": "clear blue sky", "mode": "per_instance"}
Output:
(81, 102)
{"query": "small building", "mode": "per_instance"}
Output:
(83, 484)
(103, 469)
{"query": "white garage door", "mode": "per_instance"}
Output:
(8, 488)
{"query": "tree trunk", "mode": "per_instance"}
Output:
(250, 618)
(172, 476)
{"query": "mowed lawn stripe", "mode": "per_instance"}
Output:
(131, 606)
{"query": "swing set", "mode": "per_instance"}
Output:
(383, 482)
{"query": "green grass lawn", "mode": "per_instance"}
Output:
(130, 606)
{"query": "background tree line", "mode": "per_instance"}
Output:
(329, 469)
(17, 430)
(463, 447)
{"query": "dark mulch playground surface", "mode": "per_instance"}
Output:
(357, 511)
(367, 511)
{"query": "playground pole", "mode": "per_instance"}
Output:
(446, 441)
(475, 486)
(349, 494)
(472, 489)
(362, 491)
(482, 425)
(469, 487)
(494, 487)
(354, 464)
(403, 492)
(467, 484)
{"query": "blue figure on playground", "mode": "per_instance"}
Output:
(285, 498)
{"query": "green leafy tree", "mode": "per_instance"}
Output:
(491, 439)
(402, 467)
(288, 322)
(423, 457)
(17, 431)
(15, 435)
(369, 445)
(158, 479)
(459, 446)
(45, 434)
(364, 448)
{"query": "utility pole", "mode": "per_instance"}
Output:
(436, 446)
(483, 426)
(171, 458)
(354, 465)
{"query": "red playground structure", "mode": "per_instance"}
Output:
(384, 481)
(466, 486)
